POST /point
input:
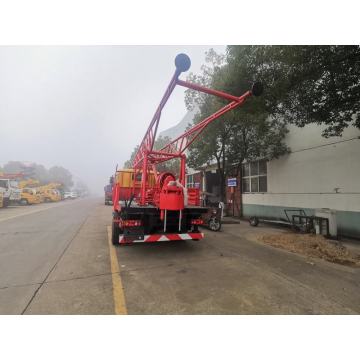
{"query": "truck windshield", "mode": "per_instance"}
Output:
(4, 184)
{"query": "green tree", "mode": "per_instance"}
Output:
(40, 173)
(34, 171)
(246, 133)
(128, 163)
(14, 167)
(308, 84)
(172, 166)
(61, 175)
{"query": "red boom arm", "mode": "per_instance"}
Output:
(146, 158)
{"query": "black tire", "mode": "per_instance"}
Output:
(115, 233)
(24, 202)
(254, 221)
(214, 224)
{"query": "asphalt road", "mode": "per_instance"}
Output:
(56, 259)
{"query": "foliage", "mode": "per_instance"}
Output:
(128, 163)
(172, 166)
(39, 172)
(243, 134)
(62, 175)
(214, 64)
(308, 84)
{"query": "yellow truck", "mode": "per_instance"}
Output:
(51, 195)
(1, 200)
(30, 196)
(50, 192)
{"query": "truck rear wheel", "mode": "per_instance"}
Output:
(115, 233)
(214, 224)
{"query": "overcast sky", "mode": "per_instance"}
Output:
(85, 108)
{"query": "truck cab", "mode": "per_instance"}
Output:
(51, 195)
(10, 191)
(29, 196)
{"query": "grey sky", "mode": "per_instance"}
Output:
(85, 108)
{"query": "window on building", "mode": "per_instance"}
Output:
(246, 184)
(254, 177)
(246, 170)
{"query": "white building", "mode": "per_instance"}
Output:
(318, 173)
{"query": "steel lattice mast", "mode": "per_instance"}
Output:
(146, 157)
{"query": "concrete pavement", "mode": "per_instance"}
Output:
(231, 274)
(50, 261)
(57, 261)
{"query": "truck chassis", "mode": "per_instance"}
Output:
(137, 223)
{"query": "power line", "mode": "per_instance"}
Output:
(320, 146)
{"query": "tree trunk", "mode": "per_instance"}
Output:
(223, 174)
(222, 186)
(240, 189)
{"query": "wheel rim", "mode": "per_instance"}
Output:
(214, 225)
(253, 221)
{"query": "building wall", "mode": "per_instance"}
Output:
(318, 173)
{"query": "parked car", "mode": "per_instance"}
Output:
(30, 196)
(74, 194)
(67, 195)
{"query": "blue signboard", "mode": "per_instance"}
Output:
(231, 182)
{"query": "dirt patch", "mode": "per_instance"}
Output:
(315, 246)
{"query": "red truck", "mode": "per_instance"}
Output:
(150, 206)
(108, 191)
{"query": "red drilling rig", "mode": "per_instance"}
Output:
(150, 206)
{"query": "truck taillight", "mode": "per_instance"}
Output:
(131, 223)
(197, 221)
